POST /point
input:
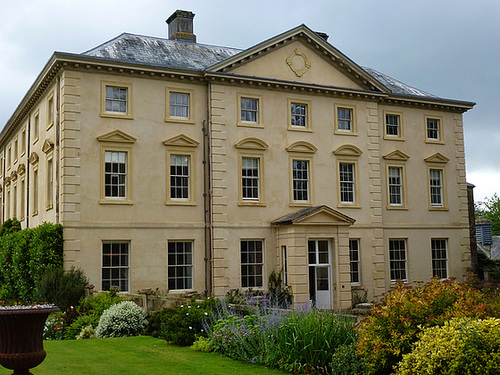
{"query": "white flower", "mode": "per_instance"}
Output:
(190, 327)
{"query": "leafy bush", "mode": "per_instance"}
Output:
(87, 332)
(460, 346)
(96, 304)
(122, 320)
(79, 324)
(181, 324)
(53, 329)
(345, 361)
(279, 295)
(393, 326)
(25, 255)
(305, 340)
(63, 288)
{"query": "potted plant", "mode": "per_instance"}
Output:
(21, 336)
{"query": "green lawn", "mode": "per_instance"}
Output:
(135, 355)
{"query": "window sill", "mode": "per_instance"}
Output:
(438, 208)
(397, 208)
(343, 205)
(116, 202)
(301, 204)
(390, 138)
(180, 203)
(346, 132)
(48, 208)
(300, 129)
(49, 126)
(180, 120)
(117, 115)
(34, 213)
(251, 204)
(434, 142)
(250, 125)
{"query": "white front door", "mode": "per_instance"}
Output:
(320, 274)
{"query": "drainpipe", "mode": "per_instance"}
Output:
(28, 164)
(205, 197)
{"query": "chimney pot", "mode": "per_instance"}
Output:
(180, 26)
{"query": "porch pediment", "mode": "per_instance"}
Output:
(317, 215)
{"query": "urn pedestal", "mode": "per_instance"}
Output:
(21, 336)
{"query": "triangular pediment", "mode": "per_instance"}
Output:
(299, 55)
(396, 155)
(117, 136)
(348, 150)
(318, 215)
(437, 158)
(181, 140)
(251, 143)
(48, 146)
(302, 147)
(21, 169)
(33, 158)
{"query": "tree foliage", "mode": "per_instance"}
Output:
(491, 211)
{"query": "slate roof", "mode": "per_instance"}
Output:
(160, 52)
(183, 55)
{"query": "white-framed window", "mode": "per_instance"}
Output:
(393, 126)
(180, 265)
(344, 119)
(22, 201)
(14, 200)
(354, 259)
(284, 254)
(250, 178)
(180, 175)
(115, 265)
(436, 187)
(252, 261)
(298, 114)
(300, 180)
(249, 110)
(433, 129)
(16, 149)
(347, 181)
(398, 259)
(115, 174)
(179, 104)
(35, 191)
(395, 180)
(439, 258)
(116, 99)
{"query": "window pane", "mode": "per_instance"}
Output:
(115, 174)
(180, 266)
(115, 261)
(251, 263)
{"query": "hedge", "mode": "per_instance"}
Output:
(24, 257)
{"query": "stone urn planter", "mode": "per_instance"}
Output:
(21, 336)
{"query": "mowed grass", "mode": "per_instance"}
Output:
(136, 355)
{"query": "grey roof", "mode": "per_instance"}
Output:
(185, 55)
(398, 87)
(288, 219)
(174, 54)
(495, 248)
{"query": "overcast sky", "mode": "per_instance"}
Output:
(449, 48)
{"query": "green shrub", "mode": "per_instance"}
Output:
(79, 324)
(96, 304)
(202, 344)
(460, 346)
(393, 326)
(24, 257)
(62, 288)
(181, 324)
(345, 361)
(122, 320)
(53, 329)
(87, 332)
(305, 340)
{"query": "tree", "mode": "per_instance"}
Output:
(491, 212)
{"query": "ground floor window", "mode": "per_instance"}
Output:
(397, 258)
(354, 259)
(251, 263)
(180, 265)
(115, 265)
(439, 258)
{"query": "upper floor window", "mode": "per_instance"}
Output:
(300, 180)
(434, 130)
(436, 187)
(393, 127)
(180, 177)
(50, 112)
(115, 175)
(250, 178)
(345, 120)
(179, 104)
(298, 114)
(347, 180)
(249, 110)
(395, 180)
(116, 101)
(36, 126)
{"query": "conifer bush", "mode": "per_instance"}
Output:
(122, 320)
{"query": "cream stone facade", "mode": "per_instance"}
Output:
(186, 167)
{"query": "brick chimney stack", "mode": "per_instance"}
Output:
(180, 26)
